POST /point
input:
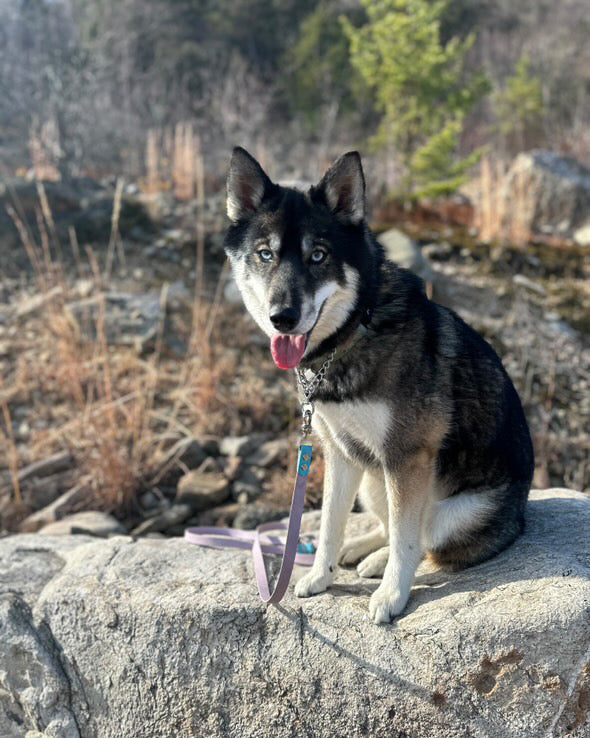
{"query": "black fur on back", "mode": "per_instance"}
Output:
(437, 371)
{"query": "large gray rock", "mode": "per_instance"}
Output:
(546, 193)
(406, 253)
(90, 522)
(202, 490)
(58, 509)
(81, 203)
(114, 638)
(129, 320)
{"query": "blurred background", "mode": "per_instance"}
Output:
(135, 395)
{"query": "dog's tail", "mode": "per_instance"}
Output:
(470, 527)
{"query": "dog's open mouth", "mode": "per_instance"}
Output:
(287, 350)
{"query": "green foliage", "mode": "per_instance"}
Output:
(318, 65)
(435, 168)
(420, 86)
(520, 107)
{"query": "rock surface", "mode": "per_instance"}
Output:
(552, 192)
(83, 203)
(91, 522)
(241, 445)
(129, 320)
(105, 639)
(174, 515)
(405, 252)
(56, 510)
(202, 490)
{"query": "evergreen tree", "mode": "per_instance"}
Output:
(421, 88)
(520, 107)
(318, 71)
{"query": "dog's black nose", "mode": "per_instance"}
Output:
(285, 320)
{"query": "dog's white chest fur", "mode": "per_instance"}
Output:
(364, 421)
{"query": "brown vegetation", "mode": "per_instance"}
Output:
(116, 410)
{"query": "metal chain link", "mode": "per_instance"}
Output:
(309, 388)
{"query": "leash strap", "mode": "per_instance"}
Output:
(261, 541)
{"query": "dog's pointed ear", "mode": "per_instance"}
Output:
(247, 185)
(342, 188)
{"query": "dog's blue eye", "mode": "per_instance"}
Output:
(317, 256)
(265, 254)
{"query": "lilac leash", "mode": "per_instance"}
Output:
(260, 541)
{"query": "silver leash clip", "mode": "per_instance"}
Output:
(307, 409)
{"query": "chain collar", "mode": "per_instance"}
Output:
(309, 387)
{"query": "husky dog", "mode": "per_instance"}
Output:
(416, 412)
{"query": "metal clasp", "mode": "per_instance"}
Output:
(307, 409)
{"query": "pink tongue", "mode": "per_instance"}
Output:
(287, 351)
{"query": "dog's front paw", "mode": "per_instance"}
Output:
(385, 604)
(313, 583)
(374, 565)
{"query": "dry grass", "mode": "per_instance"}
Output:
(174, 161)
(7, 437)
(498, 219)
(115, 410)
(45, 150)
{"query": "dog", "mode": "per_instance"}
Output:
(415, 411)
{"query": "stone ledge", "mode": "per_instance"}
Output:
(117, 639)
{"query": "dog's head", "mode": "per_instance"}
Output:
(304, 263)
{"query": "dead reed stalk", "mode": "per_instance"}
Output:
(184, 161)
(502, 212)
(491, 210)
(13, 456)
(153, 183)
(76, 250)
(518, 232)
(29, 246)
(196, 340)
(45, 150)
(50, 223)
(115, 238)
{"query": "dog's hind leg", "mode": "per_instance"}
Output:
(341, 482)
(373, 498)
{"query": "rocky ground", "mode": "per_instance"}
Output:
(120, 638)
(133, 407)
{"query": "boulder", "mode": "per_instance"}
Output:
(129, 320)
(117, 639)
(164, 520)
(39, 492)
(241, 445)
(247, 486)
(253, 514)
(582, 234)
(405, 252)
(67, 502)
(546, 194)
(81, 203)
(186, 453)
(202, 490)
(90, 522)
(269, 453)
